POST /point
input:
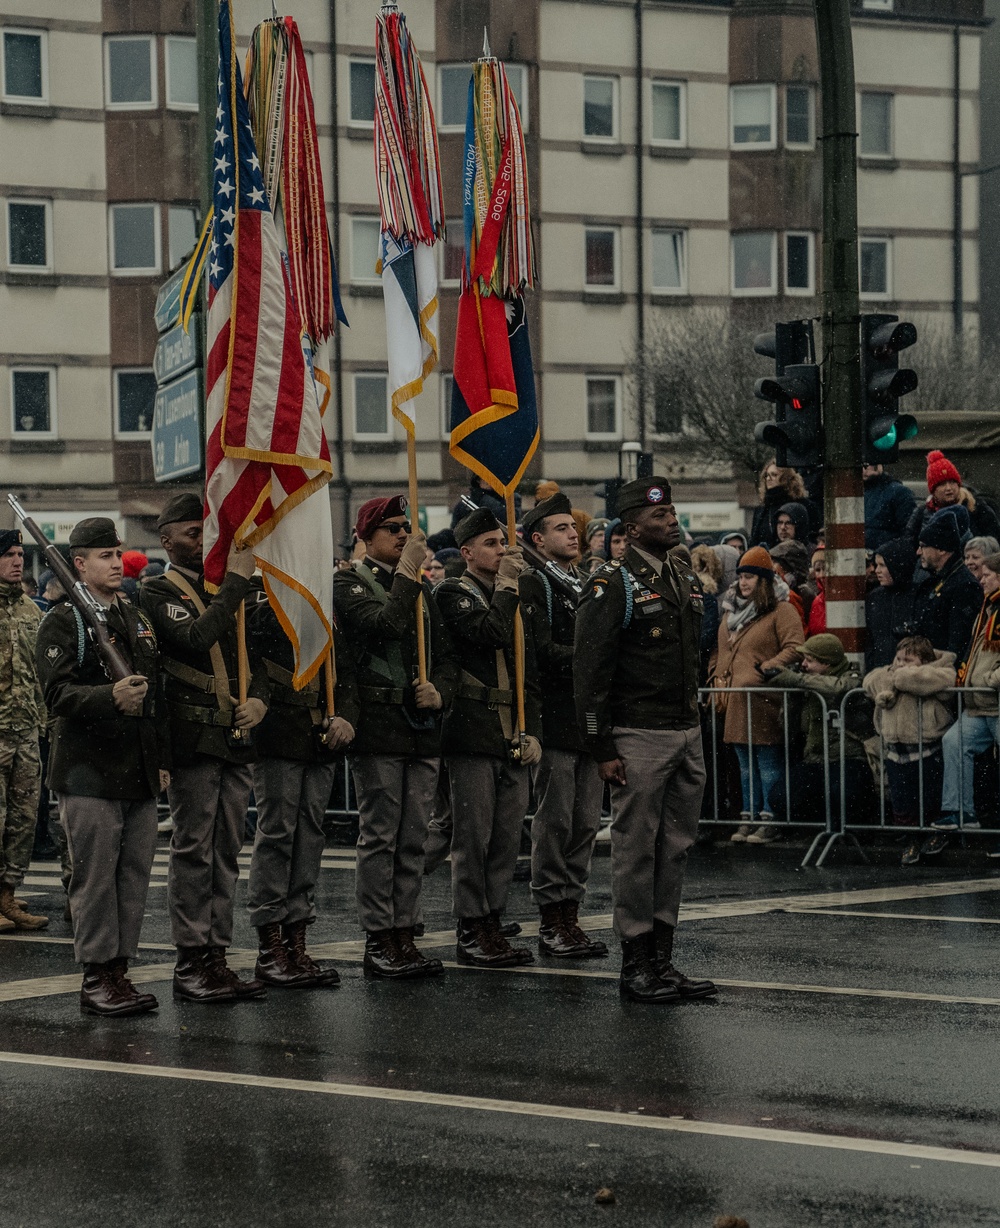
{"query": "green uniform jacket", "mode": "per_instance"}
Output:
(96, 750)
(185, 637)
(376, 609)
(551, 616)
(21, 705)
(643, 675)
(481, 622)
(833, 687)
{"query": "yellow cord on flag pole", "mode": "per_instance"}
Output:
(411, 460)
(518, 625)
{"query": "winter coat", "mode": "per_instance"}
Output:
(709, 622)
(762, 530)
(729, 557)
(983, 520)
(816, 622)
(890, 613)
(832, 686)
(888, 508)
(947, 604)
(799, 516)
(981, 667)
(898, 691)
(768, 642)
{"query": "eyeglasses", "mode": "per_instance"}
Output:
(396, 526)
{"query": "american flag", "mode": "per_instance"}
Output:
(267, 451)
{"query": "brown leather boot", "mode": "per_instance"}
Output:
(217, 968)
(661, 953)
(383, 957)
(100, 995)
(274, 964)
(571, 914)
(6, 925)
(554, 938)
(118, 971)
(22, 920)
(194, 983)
(498, 932)
(410, 952)
(294, 938)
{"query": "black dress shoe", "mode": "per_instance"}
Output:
(661, 953)
(384, 959)
(638, 980)
(479, 947)
(194, 983)
(554, 937)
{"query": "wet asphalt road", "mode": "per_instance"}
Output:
(509, 1098)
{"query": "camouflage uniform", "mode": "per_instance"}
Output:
(22, 715)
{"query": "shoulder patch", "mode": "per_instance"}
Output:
(357, 589)
(177, 613)
(465, 604)
(599, 590)
(52, 652)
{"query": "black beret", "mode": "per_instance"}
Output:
(8, 538)
(180, 508)
(481, 520)
(646, 492)
(556, 505)
(95, 533)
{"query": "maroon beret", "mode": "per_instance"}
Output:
(372, 514)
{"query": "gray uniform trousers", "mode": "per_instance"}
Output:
(655, 823)
(208, 804)
(395, 796)
(112, 844)
(489, 799)
(291, 804)
(568, 796)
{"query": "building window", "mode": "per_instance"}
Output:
(33, 402)
(135, 239)
(879, 6)
(517, 76)
(130, 73)
(362, 75)
(875, 259)
(799, 133)
(600, 108)
(371, 406)
(876, 125)
(453, 252)
(604, 406)
(752, 113)
(669, 272)
(135, 393)
(669, 122)
(182, 233)
(182, 74)
(755, 261)
(366, 234)
(800, 263)
(668, 413)
(25, 65)
(29, 235)
(602, 258)
(447, 389)
(453, 96)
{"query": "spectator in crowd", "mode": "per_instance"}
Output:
(911, 716)
(791, 563)
(736, 541)
(758, 631)
(890, 609)
(946, 490)
(777, 486)
(155, 567)
(434, 571)
(888, 506)
(596, 530)
(729, 557)
(975, 731)
(791, 523)
(976, 551)
(439, 569)
(615, 540)
(948, 601)
(816, 623)
(708, 568)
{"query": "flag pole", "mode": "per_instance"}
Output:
(242, 660)
(411, 461)
(518, 626)
(330, 681)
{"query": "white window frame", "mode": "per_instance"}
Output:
(464, 64)
(811, 91)
(178, 38)
(615, 107)
(363, 124)
(364, 279)
(811, 289)
(157, 239)
(370, 436)
(617, 381)
(890, 152)
(753, 291)
(53, 431)
(447, 380)
(615, 286)
(118, 432)
(153, 83)
(871, 296)
(49, 265)
(754, 85)
(26, 99)
(661, 142)
(669, 230)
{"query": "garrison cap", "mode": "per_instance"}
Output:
(8, 538)
(645, 492)
(480, 521)
(180, 508)
(95, 533)
(555, 505)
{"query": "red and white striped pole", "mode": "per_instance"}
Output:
(845, 558)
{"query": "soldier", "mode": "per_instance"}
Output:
(107, 765)
(568, 788)
(635, 677)
(396, 755)
(22, 717)
(298, 744)
(489, 786)
(211, 780)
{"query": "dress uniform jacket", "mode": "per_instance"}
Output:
(550, 615)
(636, 651)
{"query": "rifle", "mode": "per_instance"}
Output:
(93, 613)
(567, 584)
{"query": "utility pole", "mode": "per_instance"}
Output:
(844, 509)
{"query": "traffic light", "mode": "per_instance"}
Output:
(796, 433)
(883, 382)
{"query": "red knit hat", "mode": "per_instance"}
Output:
(372, 513)
(940, 469)
(133, 561)
(757, 562)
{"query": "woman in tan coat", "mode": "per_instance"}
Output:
(758, 631)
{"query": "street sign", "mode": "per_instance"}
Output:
(176, 352)
(177, 429)
(168, 301)
(57, 526)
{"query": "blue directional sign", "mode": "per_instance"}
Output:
(177, 445)
(168, 301)
(176, 352)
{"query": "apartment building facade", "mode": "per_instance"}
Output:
(674, 164)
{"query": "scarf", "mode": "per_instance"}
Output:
(985, 634)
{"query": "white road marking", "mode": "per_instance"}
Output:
(895, 916)
(557, 1112)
